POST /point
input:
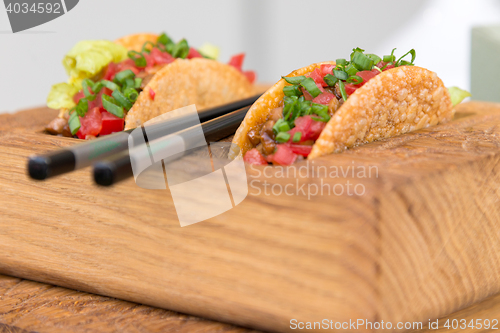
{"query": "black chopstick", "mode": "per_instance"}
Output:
(118, 167)
(65, 160)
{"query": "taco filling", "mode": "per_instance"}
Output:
(107, 78)
(309, 101)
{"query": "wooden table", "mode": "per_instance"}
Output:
(27, 306)
(473, 141)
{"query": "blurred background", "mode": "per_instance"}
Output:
(277, 36)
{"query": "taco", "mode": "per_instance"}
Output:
(331, 106)
(119, 85)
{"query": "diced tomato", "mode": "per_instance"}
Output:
(283, 155)
(115, 68)
(91, 124)
(193, 53)
(381, 64)
(111, 123)
(303, 150)
(152, 94)
(253, 156)
(112, 69)
(150, 60)
(237, 61)
(251, 76)
(326, 69)
(324, 98)
(315, 130)
(310, 128)
(97, 102)
(307, 95)
(317, 76)
(160, 57)
(303, 123)
(79, 95)
(365, 75)
(350, 88)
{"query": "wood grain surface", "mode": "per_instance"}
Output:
(420, 243)
(27, 306)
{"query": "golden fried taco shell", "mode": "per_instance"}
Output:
(204, 82)
(136, 41)
(396, 101)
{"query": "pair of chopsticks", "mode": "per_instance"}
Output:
(112, 164)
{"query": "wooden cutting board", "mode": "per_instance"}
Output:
(420, 242)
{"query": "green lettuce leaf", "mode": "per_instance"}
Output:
(87, 58)
(61, 96)
(457, 95)
(209, 51)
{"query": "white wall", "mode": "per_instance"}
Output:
(277, 35)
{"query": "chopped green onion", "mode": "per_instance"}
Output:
(341, 62)
(297, 136)
(330, 79)
(390, 58)
(97, 87)
(351, 70)
(362, 62)
(74, 123)
(138, 82)
(300, 107)
(292, 91)
(129, 83)
(405, 63)
(131, 94)
(145, 47)
(86, 84)
(283, 137)
(341, 75)
(138, 58)
(375, 67)
(82, 107)
(170, 48)
(319, 108)
(164, 40)
(294, 79)
(124, 75)
(281, 126)
(289, 103)
(121, 99)
(376, 59)
(181, 49)
(413, 56)
(354, 79)
(342, 90)
(110, 85)
(112, 106)
(311, 86)
(356, 50)
(303, 108)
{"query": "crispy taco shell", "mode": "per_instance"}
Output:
(204, 82)
(396, 101)
(136, 41)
